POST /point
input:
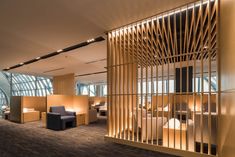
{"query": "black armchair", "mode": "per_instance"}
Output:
(58, 118)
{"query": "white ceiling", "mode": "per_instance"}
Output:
(32, 28)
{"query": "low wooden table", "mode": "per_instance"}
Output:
(44, 118)
(80, 118)
(31, 116)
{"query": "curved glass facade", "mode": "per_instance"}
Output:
(27, 85)
(3, 99)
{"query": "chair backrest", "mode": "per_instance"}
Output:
(102, 103)
(58, 109)
(214, 119)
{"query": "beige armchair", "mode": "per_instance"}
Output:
(92, 115)
(160, 122)
(205, 127)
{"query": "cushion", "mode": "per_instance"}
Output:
(67, 118)
(58, 109)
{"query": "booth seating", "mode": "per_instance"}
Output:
(59, 119)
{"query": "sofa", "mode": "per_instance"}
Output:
(58, 118)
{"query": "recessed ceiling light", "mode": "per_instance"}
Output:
(98, 39)
(90, 40)
(59, 50)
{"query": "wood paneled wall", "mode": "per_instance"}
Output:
(78, 104)
(184, 99)
(16, 109)
(96, 100)
(38, 103)
(19, 102)
(227, 64)
(64, 84)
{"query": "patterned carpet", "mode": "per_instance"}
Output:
(32, 140)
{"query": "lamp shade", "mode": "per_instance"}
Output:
(173, 123)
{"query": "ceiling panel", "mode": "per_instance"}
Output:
(33, 28)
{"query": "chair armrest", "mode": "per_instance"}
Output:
(53, 121)
(53, 113)
(70, 113)
(53, 116)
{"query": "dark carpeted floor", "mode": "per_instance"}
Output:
(32, 140)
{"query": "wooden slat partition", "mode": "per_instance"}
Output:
(145, 61)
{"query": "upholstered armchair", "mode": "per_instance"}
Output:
(58, 118)
(92, 115)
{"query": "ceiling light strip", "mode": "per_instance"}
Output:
(67, 49)
(159, 16)
(95, 73)
(53, 70)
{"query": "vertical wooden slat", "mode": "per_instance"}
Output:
(194, 79)
(202, 76)
(180, 94)
(187, 82)
(128, 83)
(162, 77)
(137, 88)
(141, 81)
(152, 85)
(109, 81)
(111, 87)
(120, 83)
(168, 78)
(175, 52)
(133, 82)
(115, 86)
(147, 82)
(218, 76)
(124, 82)
(157, 58)
(209, 76)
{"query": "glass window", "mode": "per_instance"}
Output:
(27, 85)
(91, 89)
